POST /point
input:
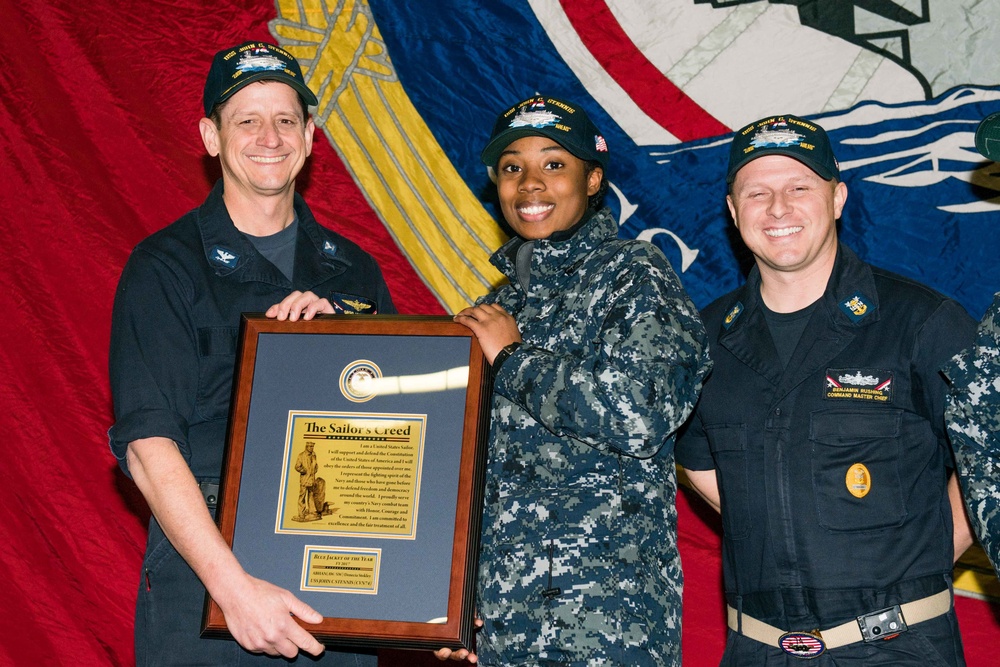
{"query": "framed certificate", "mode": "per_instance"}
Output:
(353, 473)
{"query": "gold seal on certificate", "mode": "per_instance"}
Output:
(358, 380)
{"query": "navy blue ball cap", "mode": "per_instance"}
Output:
(783, 135)
(237, 66)
(564, 122)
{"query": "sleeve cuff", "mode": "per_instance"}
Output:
(147, 424)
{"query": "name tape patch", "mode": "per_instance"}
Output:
(859, 384)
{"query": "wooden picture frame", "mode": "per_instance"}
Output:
(353, 474)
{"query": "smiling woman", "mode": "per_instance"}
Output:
(543, 188)
(598, 356)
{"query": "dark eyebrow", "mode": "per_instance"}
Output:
(556, 146)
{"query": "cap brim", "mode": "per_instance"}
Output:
(491, 154)
(821, 170)
(303, 90)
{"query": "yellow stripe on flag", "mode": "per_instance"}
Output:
(974, 576)
(393, 157)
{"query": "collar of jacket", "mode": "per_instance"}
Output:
(549, 258)
(219, 231)
(851, 278)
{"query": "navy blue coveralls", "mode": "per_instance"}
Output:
(173, 349)
(801, 552)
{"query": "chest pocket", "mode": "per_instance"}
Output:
(216, 359)
(728, 443)
(841, 439)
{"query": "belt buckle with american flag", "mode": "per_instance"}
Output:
(802, 644)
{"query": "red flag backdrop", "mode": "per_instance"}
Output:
(99, 104)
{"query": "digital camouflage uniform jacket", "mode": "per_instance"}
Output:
(579, 563)
(973, 416)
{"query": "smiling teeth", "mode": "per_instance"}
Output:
(535, 210)
(268, 160)
(787, 231)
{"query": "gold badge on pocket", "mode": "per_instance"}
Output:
(859, 480)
